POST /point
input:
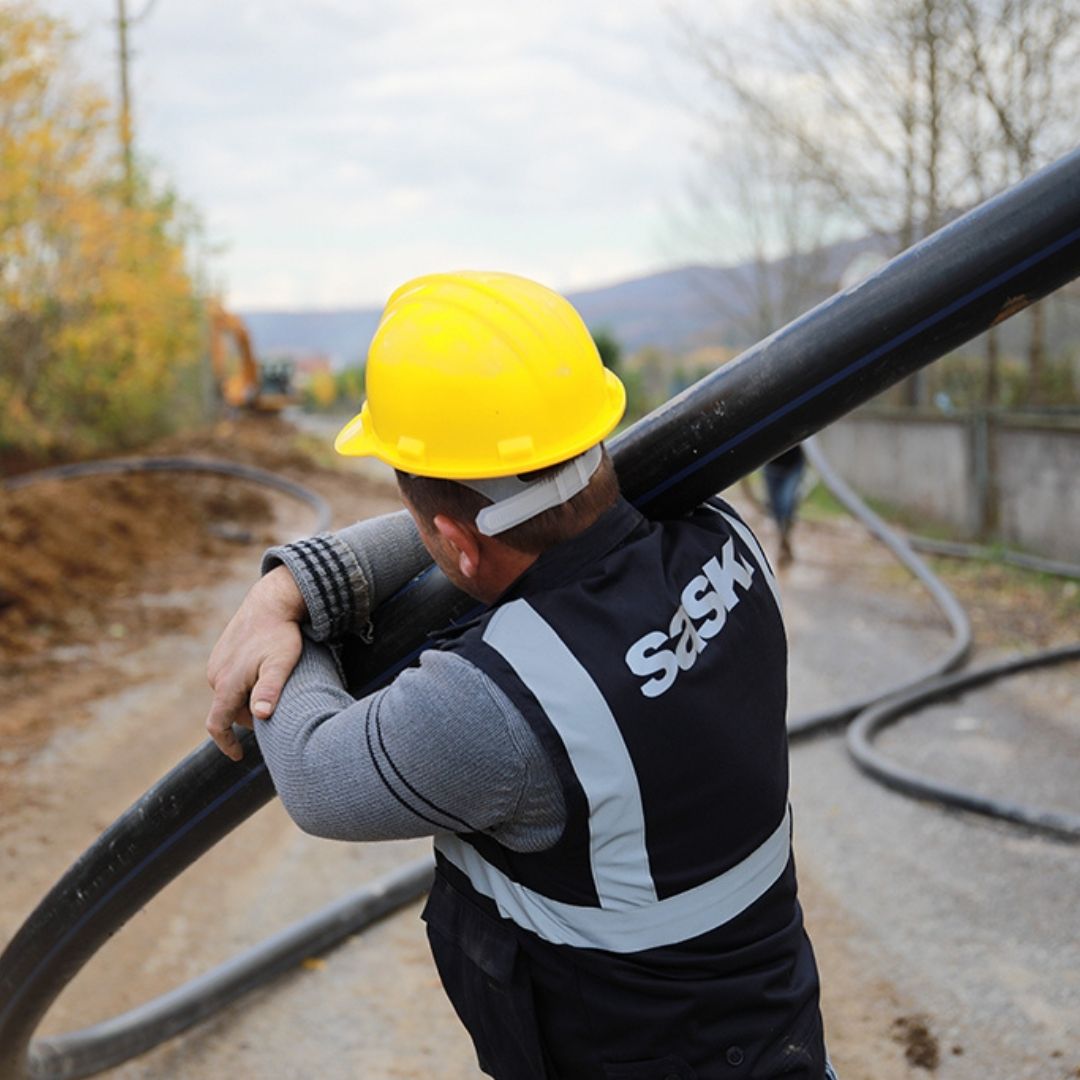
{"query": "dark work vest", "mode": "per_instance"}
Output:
(661, 936)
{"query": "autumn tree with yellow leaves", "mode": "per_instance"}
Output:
(100, 321)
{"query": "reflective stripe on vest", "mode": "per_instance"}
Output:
(630, 917)
(579, 713)
(663, 922)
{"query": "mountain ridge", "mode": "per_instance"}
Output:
(676, 309)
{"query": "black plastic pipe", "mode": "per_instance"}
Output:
(232, 469)
(978, 270)
(959, 624)
(953, 549)
(120, 1038)
(982, 268)
(1058, 823)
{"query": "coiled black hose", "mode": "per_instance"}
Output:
(890, 706)
(111, 466)
(1056, 823)
(959, 624)
(953, 549)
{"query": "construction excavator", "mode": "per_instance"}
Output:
(241, 380)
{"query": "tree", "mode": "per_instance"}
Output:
(897, 113)
(607, 345)
(845, 100)
(611, 353)
(780, 224)
(855, 90)
(99, 317)
(1021, 68)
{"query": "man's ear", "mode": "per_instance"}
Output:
(464, 542)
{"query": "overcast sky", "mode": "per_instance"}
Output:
(337, 147)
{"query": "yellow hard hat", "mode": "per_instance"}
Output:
(473, 375)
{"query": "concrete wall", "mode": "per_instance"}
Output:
(1038, 489)
(1014, 479)
(917, 464)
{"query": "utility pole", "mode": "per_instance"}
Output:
(123, 24)
(125, 104)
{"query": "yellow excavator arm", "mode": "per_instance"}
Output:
(236, 371)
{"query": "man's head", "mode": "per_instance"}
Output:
(486, 393)
(447, 513)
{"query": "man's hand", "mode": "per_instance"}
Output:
(253, 657)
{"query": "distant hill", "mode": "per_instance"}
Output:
(677, 310)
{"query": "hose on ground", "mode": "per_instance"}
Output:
(890, 706)
(959, 624)
(956, 550)
(860, 735)
(116, 1040)
(113, 466)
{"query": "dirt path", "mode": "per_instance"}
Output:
(945, 943)
(258, 880)
(92, 724)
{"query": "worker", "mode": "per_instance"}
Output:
(783, 475)
(600, 753)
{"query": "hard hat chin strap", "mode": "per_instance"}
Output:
(515, 501)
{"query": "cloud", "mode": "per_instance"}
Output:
(330, 144)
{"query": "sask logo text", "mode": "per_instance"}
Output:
(709, 596)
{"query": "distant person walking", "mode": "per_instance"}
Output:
(783, 475)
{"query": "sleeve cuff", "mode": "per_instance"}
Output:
(330, 580)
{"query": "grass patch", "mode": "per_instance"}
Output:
(1011, 607)
(821, 505)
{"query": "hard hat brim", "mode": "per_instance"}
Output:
(354, 439)
(358, 438)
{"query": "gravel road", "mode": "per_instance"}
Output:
(972, 923)
(949, 944)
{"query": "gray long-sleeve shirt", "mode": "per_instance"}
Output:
(441, 749)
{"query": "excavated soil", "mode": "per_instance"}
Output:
(72, 551)
(91, 567)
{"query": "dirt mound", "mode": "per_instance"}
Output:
(74, 553)
(92, 569)
(70, 550)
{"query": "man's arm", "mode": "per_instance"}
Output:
(441, 749)
(253, 657)
(331, 582)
